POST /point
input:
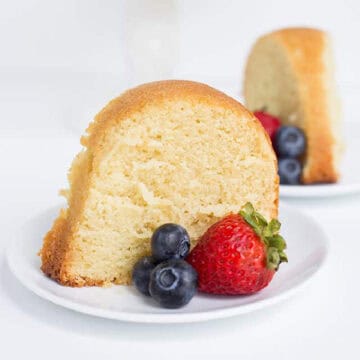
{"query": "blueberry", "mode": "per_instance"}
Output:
(289, 142)
(289, 171)
(173, 283)
(170, 241)
(141, 274)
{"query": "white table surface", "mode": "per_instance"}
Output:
(35, 152)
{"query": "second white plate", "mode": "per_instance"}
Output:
(307, 248)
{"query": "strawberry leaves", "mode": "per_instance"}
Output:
(269, 234)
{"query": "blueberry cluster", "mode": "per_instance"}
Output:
(289, 144)
(166, 276)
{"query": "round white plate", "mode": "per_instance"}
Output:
(307, 249)
(350, 172)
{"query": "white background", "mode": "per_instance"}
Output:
(60, 61)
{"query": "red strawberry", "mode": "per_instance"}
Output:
(239, 254)
(269, 122)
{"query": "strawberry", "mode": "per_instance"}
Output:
(269, 122)
(239, 254)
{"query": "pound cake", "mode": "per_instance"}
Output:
(290, 75)
(169, 151)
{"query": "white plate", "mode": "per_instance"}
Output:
(307, 249)
(350, 172)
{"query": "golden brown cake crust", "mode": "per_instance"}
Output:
(320, 168)
(53, 256)
(55, 251)
(138, 98)
(309, 68)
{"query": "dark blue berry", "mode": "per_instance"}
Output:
(170, 241)
(173, 283)
(141, 274)
(289, 171)
(289, 142)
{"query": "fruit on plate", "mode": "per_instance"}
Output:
(289, 142)
(170, 241)
(141, 274)
(165, 276)
(289, 171)
(289, 145)
(173, 283)
(239, 254)
(269, 122)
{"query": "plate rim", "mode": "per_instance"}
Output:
(316, 191)
(170, 318)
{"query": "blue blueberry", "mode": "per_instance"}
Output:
(170, 241)
(289, 142)
(289, 171)
(173, 283)
(141, 274)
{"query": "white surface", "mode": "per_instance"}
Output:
(321, 190)
(307, 251)
(215, 35)
(320, 322)
(151, 39)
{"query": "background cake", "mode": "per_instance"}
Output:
(171, 151)
(290, 74)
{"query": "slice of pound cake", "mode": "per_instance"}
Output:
(170, 151)
(290, 75)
